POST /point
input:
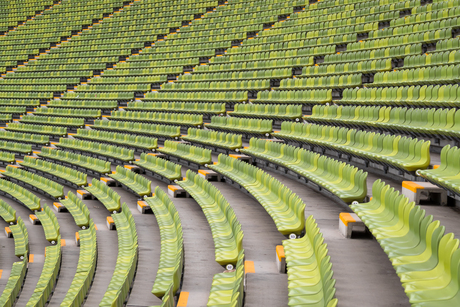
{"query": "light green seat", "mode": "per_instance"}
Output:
(225, 228)
(78, 209)
(285, 208)
(135, 182)
(192, 153)
(170, 268)
(50, 224)
(108, 197)
(160, 166)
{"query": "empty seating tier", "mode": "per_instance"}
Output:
(89, 165)
(424, 257)
(47, 280)
(447, 173)
(20, 194)
(309, 269)
(405, 154)
(196, 155)
(50, 224)
(164, 131)
(159, 168)
(133, 182)
(21, 239)
(34, 182)
(342, 180)
(225, 228)
(63, 174)
(138, 142)
(108, 197)
(172, 254)
(78, 209)
(214, 140)
(85, 268)
(106, 152)
(285, 208)
(123, 276)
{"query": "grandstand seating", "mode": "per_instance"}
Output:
(172, 256)
(42, 140)
(285, 208)
(108, 197)
(309, 269)
(208, 138)
(125, 268)
(34, 182)
(346, 182)
(447, 173)
(49, 223)
(225, 228)
(230, 282)
(164, 131)
(197, 155)
(89, 165)
(40, 129)
(135, 183)
(107, 152)
(7, 158)
(159, 168)
(403, 153)
(54, 171)
(78, 209)
(20, 194)
(7, 213)
(47, 280)
(120, 139)
(85, 268)
(21, 239)
(242, 125)
(425, 259)
(356, 86)
(15, 282)
(440, 123)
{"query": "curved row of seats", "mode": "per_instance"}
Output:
(225, 228)
(159, 168)
(446, 175)
(194, 154)
(135, 183)
(170, 268)
(309, 270)
(119, 139)
(56, 172)
(441, 123)
(285, 207)
(125, 268)
(138, 128)
(403, 153)
(86, 267)
(165, 118)
(103, 151)
(108, 197)
(89, 165)
(424, 257)
(7, 213)
(48, 277)
(228, 141)
(77, 209)
(50, 224)
(34, 181)
(227, 288)
(20, 194)
(345, 181)
(14, 283)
